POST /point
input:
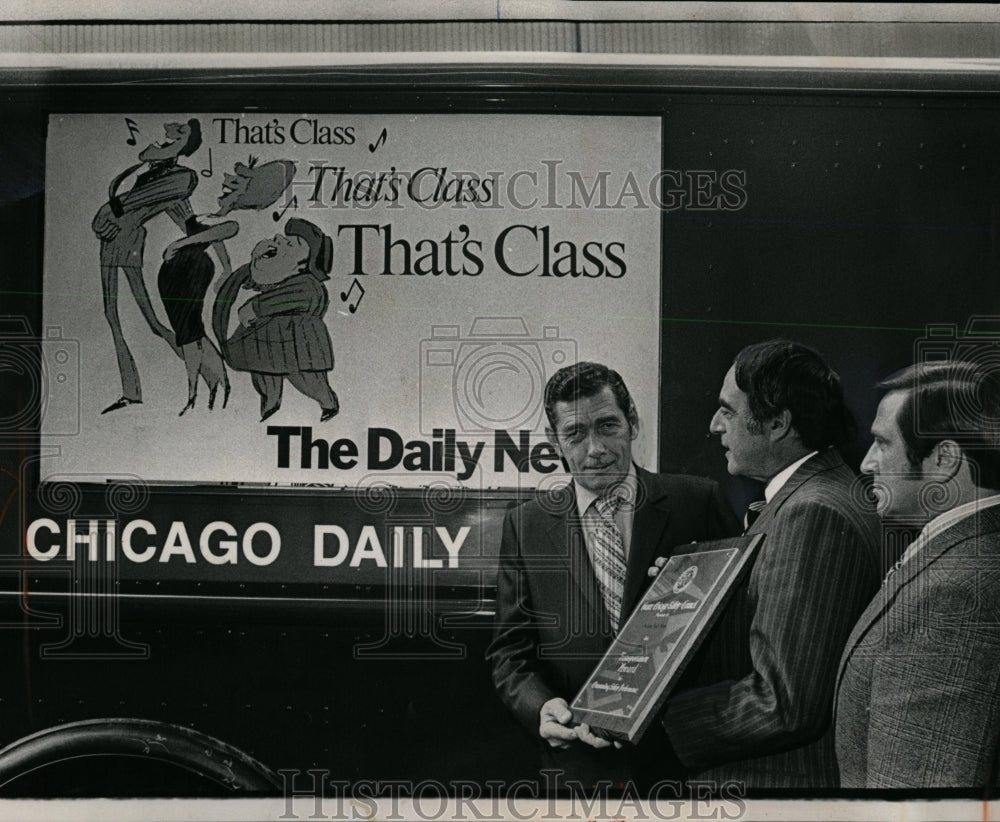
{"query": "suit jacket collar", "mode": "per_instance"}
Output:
(986, 521)
(652, 515)
(565, 532)
(828, 460)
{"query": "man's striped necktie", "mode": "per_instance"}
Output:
(608, 556)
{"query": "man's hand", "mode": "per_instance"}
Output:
(105, 226)
(584, 734)
(554, 727)
(248, 316)
(657, 566)
(171, 250)
(553, 723)
(659, 562)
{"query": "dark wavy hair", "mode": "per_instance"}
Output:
(950, 400)
(585, 379)
(780, 374)
(193, 142)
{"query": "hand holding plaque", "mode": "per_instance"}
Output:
(633, 680)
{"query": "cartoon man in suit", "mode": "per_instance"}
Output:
(573, 565)
(282, 334)
(162, 186)
(757, 705)
(918, 692)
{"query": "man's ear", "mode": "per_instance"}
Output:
(945, 460)
(780, 426)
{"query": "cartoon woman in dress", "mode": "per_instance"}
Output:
(183, 281)
(187, 270)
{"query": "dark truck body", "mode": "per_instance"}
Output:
(871, 212)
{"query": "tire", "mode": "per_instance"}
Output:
(222, 765)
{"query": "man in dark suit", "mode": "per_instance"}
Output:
(757, 708)
(573, 564)
(918, 693)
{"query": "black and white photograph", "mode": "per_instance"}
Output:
(495, 411)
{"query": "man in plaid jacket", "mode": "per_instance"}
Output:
(918, 692)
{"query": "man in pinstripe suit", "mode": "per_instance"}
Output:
(918, 693)
(757, 705)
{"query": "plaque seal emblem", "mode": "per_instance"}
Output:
(685, 579)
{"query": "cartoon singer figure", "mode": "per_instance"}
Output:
(162, 185)
(281, 333)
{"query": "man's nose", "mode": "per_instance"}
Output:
(595, 443)
(715, 424)
(869, 465)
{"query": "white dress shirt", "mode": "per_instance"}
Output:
(778, 480)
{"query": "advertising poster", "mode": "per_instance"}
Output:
(392, 292)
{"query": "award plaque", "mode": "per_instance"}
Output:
(630, 684)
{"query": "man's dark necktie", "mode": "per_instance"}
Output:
(754, 510)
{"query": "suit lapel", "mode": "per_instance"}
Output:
(649, 524)
(983, 522)
(565, 534)
(828, 460)
(986, 521)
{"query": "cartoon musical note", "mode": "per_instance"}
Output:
(381, 139)
(344, 295)
(133, 129)
(277, 215)
(207, 172)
